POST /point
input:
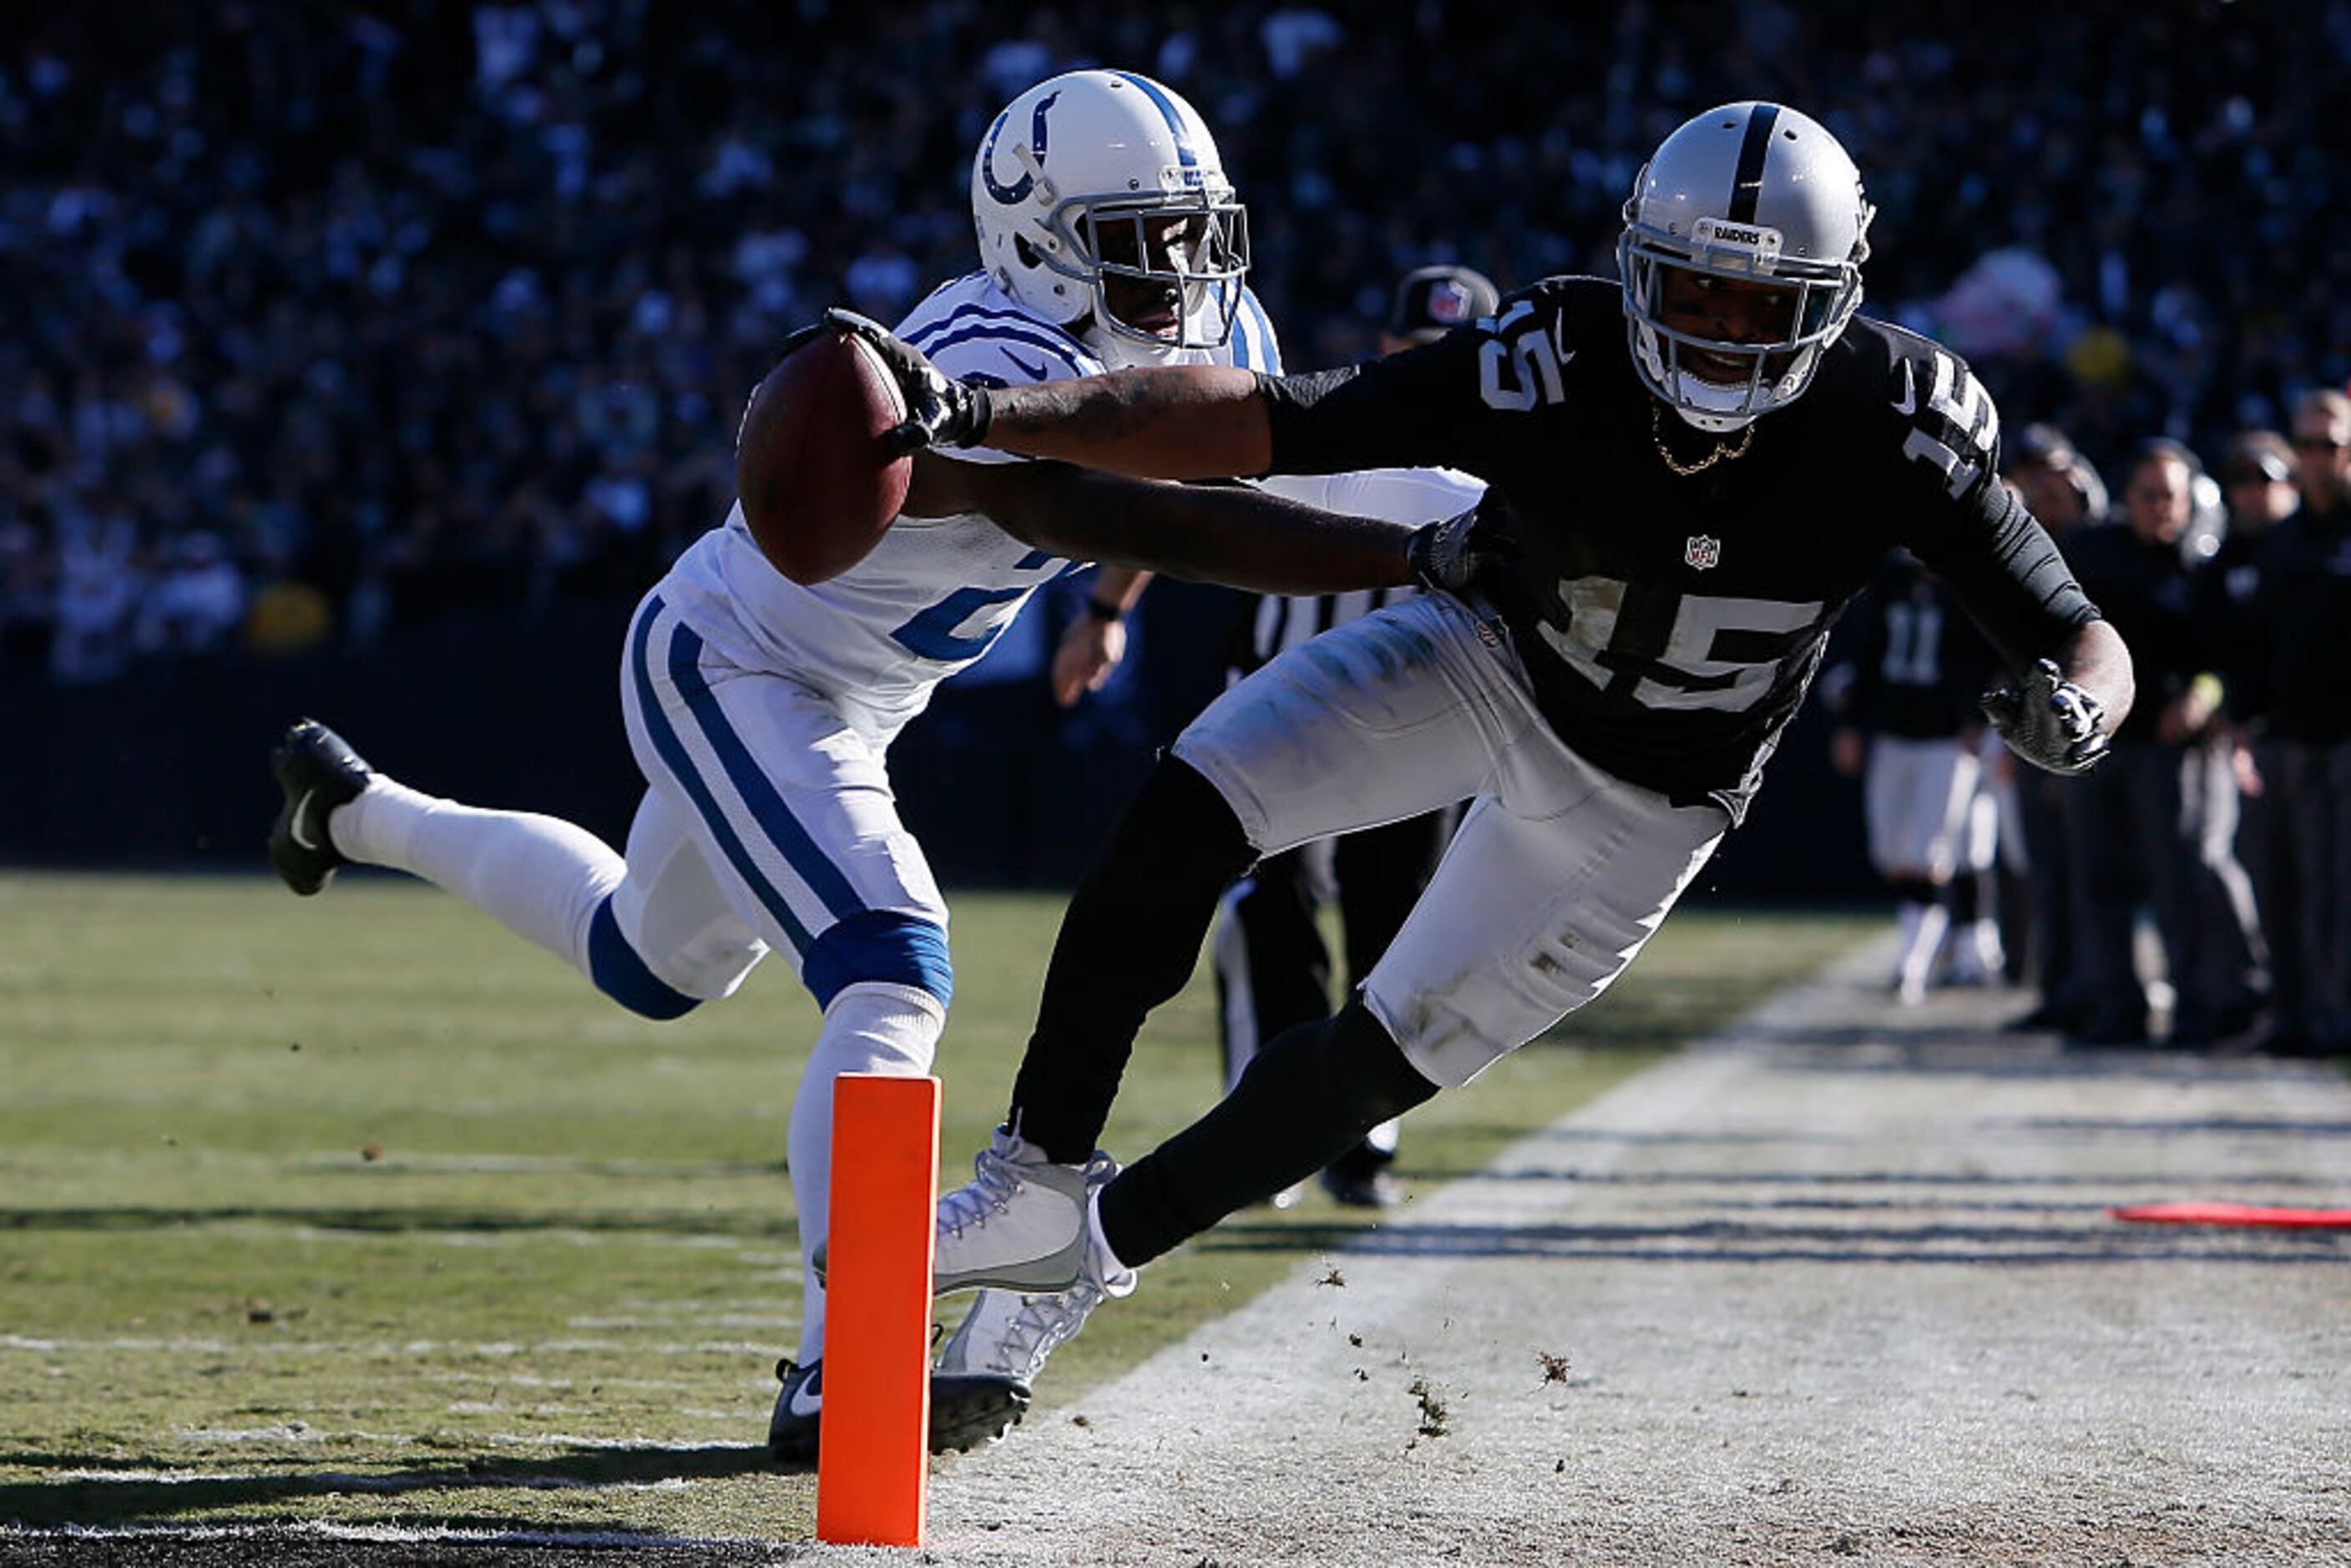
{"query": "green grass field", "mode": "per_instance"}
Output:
(358, 1210)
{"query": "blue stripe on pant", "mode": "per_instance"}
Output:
(673, 753)
(621, 973)
(800, 852)
(861, 944)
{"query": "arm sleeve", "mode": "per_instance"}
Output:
(2005, 572)
(1418, 407)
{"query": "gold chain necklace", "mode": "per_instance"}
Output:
(1722, 454)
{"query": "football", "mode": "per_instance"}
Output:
(818, 486)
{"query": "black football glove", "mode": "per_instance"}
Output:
(939, 411)
(1454, 554)
(2049, 721)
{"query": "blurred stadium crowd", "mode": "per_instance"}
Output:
(325, 320)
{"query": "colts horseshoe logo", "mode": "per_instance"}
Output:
(1018, 190)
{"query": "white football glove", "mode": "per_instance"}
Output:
(2049, 721)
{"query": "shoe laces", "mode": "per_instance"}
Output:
(995, 1177)
(1042, 1323)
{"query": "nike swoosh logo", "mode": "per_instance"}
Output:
(1908, 401)
(1035, 372)
(807, 1398)
(301, 808)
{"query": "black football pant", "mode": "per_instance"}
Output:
(2139, 834)
(1127, 943)
(1273, 967)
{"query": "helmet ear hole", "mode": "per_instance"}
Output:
(1024, 250)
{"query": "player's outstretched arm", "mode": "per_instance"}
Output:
(1228, 534)
(1186, 422)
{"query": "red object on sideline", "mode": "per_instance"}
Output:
(2201, 1213)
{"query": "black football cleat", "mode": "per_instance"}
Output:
(800, 1406)
(319, 773)
(973, 1410)
(968, 1410)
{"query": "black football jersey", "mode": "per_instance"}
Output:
(1670, 621)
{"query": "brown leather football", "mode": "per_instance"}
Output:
(818, 484)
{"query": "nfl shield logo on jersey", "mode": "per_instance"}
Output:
(1702, 551)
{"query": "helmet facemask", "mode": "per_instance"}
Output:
(1701, 375)
(1757, 201)
(1165, 273)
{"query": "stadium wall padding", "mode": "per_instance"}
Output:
(167, 769)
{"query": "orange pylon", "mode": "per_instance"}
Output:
(872, 1463)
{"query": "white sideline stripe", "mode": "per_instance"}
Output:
(492, 1348)
(349, 1481)
(283, 1432)
(631, 1445)
(351, 1159)
(395, 1534)
(508, 1164)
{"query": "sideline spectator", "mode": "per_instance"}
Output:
(2066, 493)
(2299, 682)
(2257, 482)
(2140, 821)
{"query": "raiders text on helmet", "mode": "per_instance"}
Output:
(1096, 176)
(1757, 193)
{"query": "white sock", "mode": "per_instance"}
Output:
(541, 877)
(1990, 955)
(871, 1027)
(1118, 1279)
(1923, 927)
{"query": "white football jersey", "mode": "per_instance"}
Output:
(936, 591)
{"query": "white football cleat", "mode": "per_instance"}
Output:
(1007, 1334)
(1021, 1223)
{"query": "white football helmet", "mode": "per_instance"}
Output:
(1099, 194)
(1754, 192)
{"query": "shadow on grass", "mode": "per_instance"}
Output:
(2104, 1183)
(89, 1496)
(1968, 1050)
(2094, 1239)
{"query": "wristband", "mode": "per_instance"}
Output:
(1107, 612)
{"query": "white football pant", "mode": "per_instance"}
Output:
(1559, 873)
